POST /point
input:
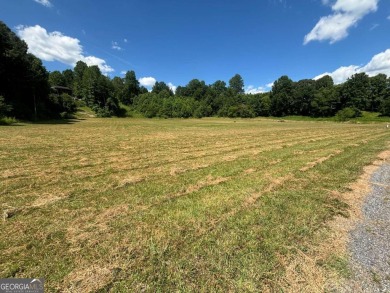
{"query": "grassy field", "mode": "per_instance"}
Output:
(173, 205)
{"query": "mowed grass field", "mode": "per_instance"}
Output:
(130, 205)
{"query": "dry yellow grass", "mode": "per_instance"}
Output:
(167, 205)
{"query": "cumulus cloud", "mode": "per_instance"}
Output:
(172, 87)
(147, 81)
(346, 14)
(92, 60)
(380, 63)
(55, 46)
(341, 74)
(46, 3)
(250, 89)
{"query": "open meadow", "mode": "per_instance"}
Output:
(174, 205)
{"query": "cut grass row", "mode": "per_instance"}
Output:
(165, 205)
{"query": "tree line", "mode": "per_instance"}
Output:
(25, 92)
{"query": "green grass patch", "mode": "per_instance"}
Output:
(367, 117)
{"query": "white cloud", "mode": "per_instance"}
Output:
(92, 60)
(341, 74)
(147, 81)
(123, 72)
(346, 13)
(380, 63)
(388, 17)
(125, 40)
(44, 3)
(116, 46)
(172, 87)
(250, 89)
(55, 46)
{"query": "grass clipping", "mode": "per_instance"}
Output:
(325, 267)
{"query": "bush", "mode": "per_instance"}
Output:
(4, 108)
(61, 106)
(80, 103)
(68, 104)
(102, 112)
(348, 113)
(243, 111)
(7, 121)
(385, 108)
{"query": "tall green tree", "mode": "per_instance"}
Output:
(56, 79)
(131, 88)
(118, 84)
(355, 92)
(325, 102)
(384, 107)
(4, 108)
(260, 104)
(324, 82)
(379, 87)
(195, 88)
(98, 92)
(23, 79)
(282, 97)
(161, 86)
(78, 76)
(218, 88)
(236, 84)
(68, 76)
(38, 81)
(303, 94)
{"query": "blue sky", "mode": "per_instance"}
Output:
(175, 41)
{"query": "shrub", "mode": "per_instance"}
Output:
(7, 120)
(243, 111)
(68, 104)
(385, 107)
(4, 108)
(61, 105)
(348, 113)
(80, 103)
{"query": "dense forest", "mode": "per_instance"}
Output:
(28, 91)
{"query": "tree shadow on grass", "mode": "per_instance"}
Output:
(59, 121)
(68, 121)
